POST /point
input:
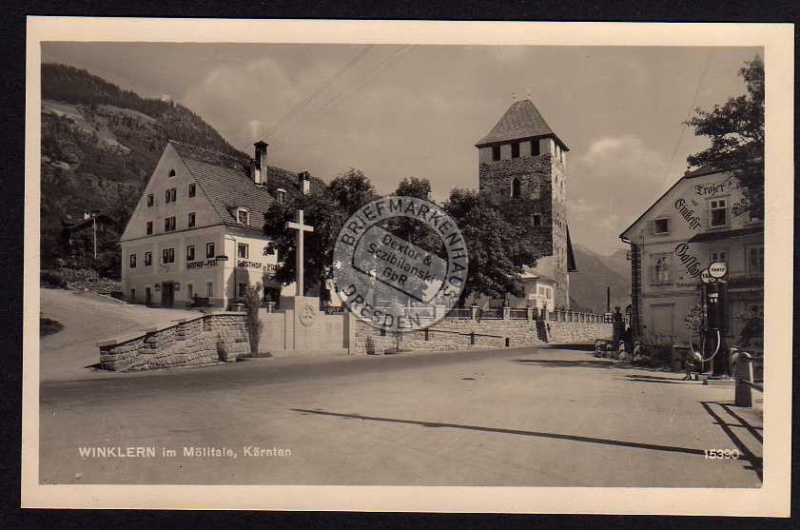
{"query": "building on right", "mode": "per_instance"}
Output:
(701, 219)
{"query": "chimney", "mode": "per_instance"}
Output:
(260, 166)
(305, 182)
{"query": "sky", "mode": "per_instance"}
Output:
(397, 111)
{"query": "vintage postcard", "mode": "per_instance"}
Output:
(408, 266)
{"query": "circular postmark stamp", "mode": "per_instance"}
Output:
(400, 263)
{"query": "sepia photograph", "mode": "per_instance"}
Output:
(409, 266)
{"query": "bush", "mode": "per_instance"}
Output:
(252, 301)
(53, 279)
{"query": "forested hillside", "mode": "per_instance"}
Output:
(99, 145)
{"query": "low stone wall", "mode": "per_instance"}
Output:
(206, 339)
(578, 332)
(452, 334)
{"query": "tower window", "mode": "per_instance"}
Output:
(537, 219)
(495, 153)
(515, 187)
(515, 150)
(534, 147)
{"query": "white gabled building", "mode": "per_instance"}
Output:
(699, 220)
(197, 231)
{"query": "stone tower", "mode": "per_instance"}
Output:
(522, 157)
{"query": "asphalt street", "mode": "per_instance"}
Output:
(516, 417)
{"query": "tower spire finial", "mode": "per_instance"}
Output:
(513, 97)
(529, 93)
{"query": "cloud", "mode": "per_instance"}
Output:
(610, 185)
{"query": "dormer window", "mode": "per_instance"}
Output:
(243, 216)
(495, 153)
(515, 150)
(280, 194)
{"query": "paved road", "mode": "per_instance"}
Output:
(88, 318)
(511, 417)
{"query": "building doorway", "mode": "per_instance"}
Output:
(167, 294)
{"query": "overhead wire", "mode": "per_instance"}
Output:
(688, 115)
(383, 65)
(280, 122)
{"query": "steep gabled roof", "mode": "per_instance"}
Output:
(227, 183)
(522, 120)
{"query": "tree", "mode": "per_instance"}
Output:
(736, 130)
(326, 211)
(498, 245)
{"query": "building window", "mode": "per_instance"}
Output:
(719, 213)
(148, 259)
(149, 228)
(281, 195)
(534, 147)
(661, 226)
(189, 291)
(515, 187)
(537, 219)
(495, 153)
(171, 173)
(169, 224)
(210, 251)
(168, 255)
(243, 251)
(210, 289)
(549, 292)
(243, 216)
(150, 200)
(190, 253)
(171, 195)
(755, 260)
(515, 150)
(190, 224)
(133, 261)
(719, 255)
(192, 190)
(242, 290)
(662, 266)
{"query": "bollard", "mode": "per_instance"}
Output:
(472, 338)
(744, 375)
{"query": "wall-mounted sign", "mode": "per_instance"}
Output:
(718, 269)
(706, 277)
(202, 264)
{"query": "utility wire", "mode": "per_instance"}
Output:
(688, 115)
(278, 124)
(384, 65)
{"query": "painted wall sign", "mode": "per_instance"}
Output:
(202, 264)
(692, 219)
(715, 188)
(690, 262)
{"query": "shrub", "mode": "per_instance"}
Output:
(252, 301)
(52, 279)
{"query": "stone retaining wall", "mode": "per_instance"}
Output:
(452, 334)
(206, 339)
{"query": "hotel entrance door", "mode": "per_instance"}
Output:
(167, 294)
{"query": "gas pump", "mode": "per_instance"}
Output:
(714, 295)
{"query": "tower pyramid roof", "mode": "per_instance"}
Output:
(521, 121)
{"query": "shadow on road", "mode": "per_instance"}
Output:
(756, 463)
(550, 435)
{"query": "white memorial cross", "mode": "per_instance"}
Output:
(300, 227)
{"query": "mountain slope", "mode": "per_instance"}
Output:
(99, 146)
(587, 286)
